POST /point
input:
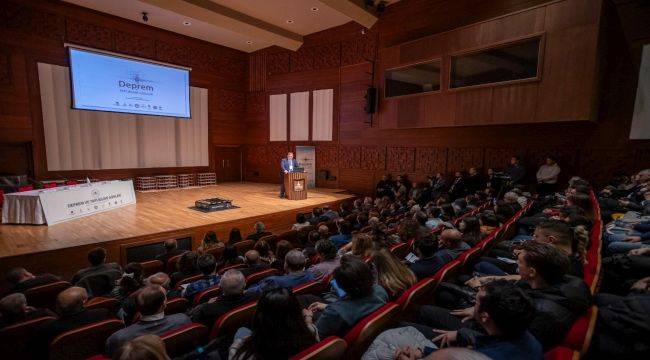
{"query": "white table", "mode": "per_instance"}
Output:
(55, 205)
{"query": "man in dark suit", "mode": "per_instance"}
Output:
(232, 285)
(14, 309)
(287, 165)
(254, 263)
(73, 314)
(171, 250)
(22, 280)
(98, 265)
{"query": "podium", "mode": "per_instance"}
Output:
(295, 186)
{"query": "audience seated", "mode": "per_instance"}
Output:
(98, 265)
(264, 250)
(301, 222)
(131, 281)
(186, 266)
(148, 346)
(358, 297)
(259, 232)
(171, 250)
(14, 309)
(151, 305)
(230, 256)
(21, 279)
(279, 329)
(392, 275)
(294, 266)
(344, 236)
(254, 263)
(72, 314)
(232, 286)
(470, 227)
(210, 242)
(163, 280)
(329, 260)
(234, 236)
(208, 266)
(281, 249)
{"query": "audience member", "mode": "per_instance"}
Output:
(259, 232)
(144, 347)
(230, 256)
(547, 176)
(208, 266)
(21, 279)
(151, 305)
(281, 250)
(264, 250)
(98, 265)
(171, 250)
(392, 275)
(254, 263)
(234, 236)
(328, 259)
(427, 264)
(187, 267)
(14, 309)
(515, 170)
(131, 281)
(210, 244)
(301, 222)
(344, 236)
(471, 229)
(294, 266)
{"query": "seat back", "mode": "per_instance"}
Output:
(49, 185)
(303, 235)
(176, 305)
(366, 330)
(332, 347)
(85, 341)
(44, 296)
(254, 278)
(236, 266)
(25, 188)
(272, 240)
(102, 302)
(184, 339)
(99, 284)
(469, 256)
(400, 250)
(171, 263)
(579, 336)
(216, 251)
(244, 246)
(415, 295)
(206, 295)
(151, 267)
(188, 280)
(447, 272)
(14, 339)
(562, 353)
(291, 236)
(228, 323)
(314, 287)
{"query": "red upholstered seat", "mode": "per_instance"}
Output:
(579, 336)
(447, 272)
(45, 295)
(272, 240)
(415, 295)
(151, 267)
(176, 305)
(49, 185)
(366, 330)
(85, 341)
(14, 339)
(25, 188)
(216, 251)
(236, 266)
(244, 246)
(291, 236)
(254, 278)
(400, 250)
(332, 347)
(185, 339)
(469, 256)
(171, 263)
(102, 302)
(228, 323)
(206, 295)
(71, 182)
(188, 280)
(562, 353)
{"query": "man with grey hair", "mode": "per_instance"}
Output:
(14, 309)
(512, 198)
(294, 266)
(232, 285)
(260, 232)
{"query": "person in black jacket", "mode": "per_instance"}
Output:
(474, 182)
(457, 189)
(515, 170)
(22, 280)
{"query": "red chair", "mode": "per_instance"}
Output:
(272, 240)
(176, 305)
(15, 339)
(49, 185)
(25, 188)
(254, 278)
(151, 267)
(400, 250)
(415, 295)
(562, 353)
(244, 246)
(171, 263)
(331, 347)
(206, 295)
(315, 287)
(85, 341)
(2, 197)
(184, 339)
(217, 252)
(227, 324)
(71, 182)
(236, 266)
(448, 271)
(187, 280)
(44, 296)
(102, 302)
(579, 336)
(366, 330)
(469, 256)
(291, 236)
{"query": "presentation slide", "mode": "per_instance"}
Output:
(111, 83)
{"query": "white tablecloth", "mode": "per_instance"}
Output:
(23, 208)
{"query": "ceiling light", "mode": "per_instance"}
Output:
(314, 9)
(289, 21)
(249, 42)
(187, 23)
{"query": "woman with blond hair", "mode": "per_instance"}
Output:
(361, 246)
(145, 347)
(392, 275)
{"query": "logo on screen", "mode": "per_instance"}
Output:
(137, 82)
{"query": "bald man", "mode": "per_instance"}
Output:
(72, 315)
(171, 250)
(254, 263)
(451, 244)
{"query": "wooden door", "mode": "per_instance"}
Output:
(228, 163)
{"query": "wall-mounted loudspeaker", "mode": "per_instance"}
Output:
(371, 100)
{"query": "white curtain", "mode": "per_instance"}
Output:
(299, 116)
(322, 114)
(278, 117)
(640, 128)
(90, 140)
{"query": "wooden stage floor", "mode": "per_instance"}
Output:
(158, 213)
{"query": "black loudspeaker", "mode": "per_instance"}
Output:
(371, 100)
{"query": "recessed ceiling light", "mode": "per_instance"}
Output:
(314, 9)
(187, 23)
(289, 21)
(249, 42)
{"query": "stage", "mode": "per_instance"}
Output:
(156, 216)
